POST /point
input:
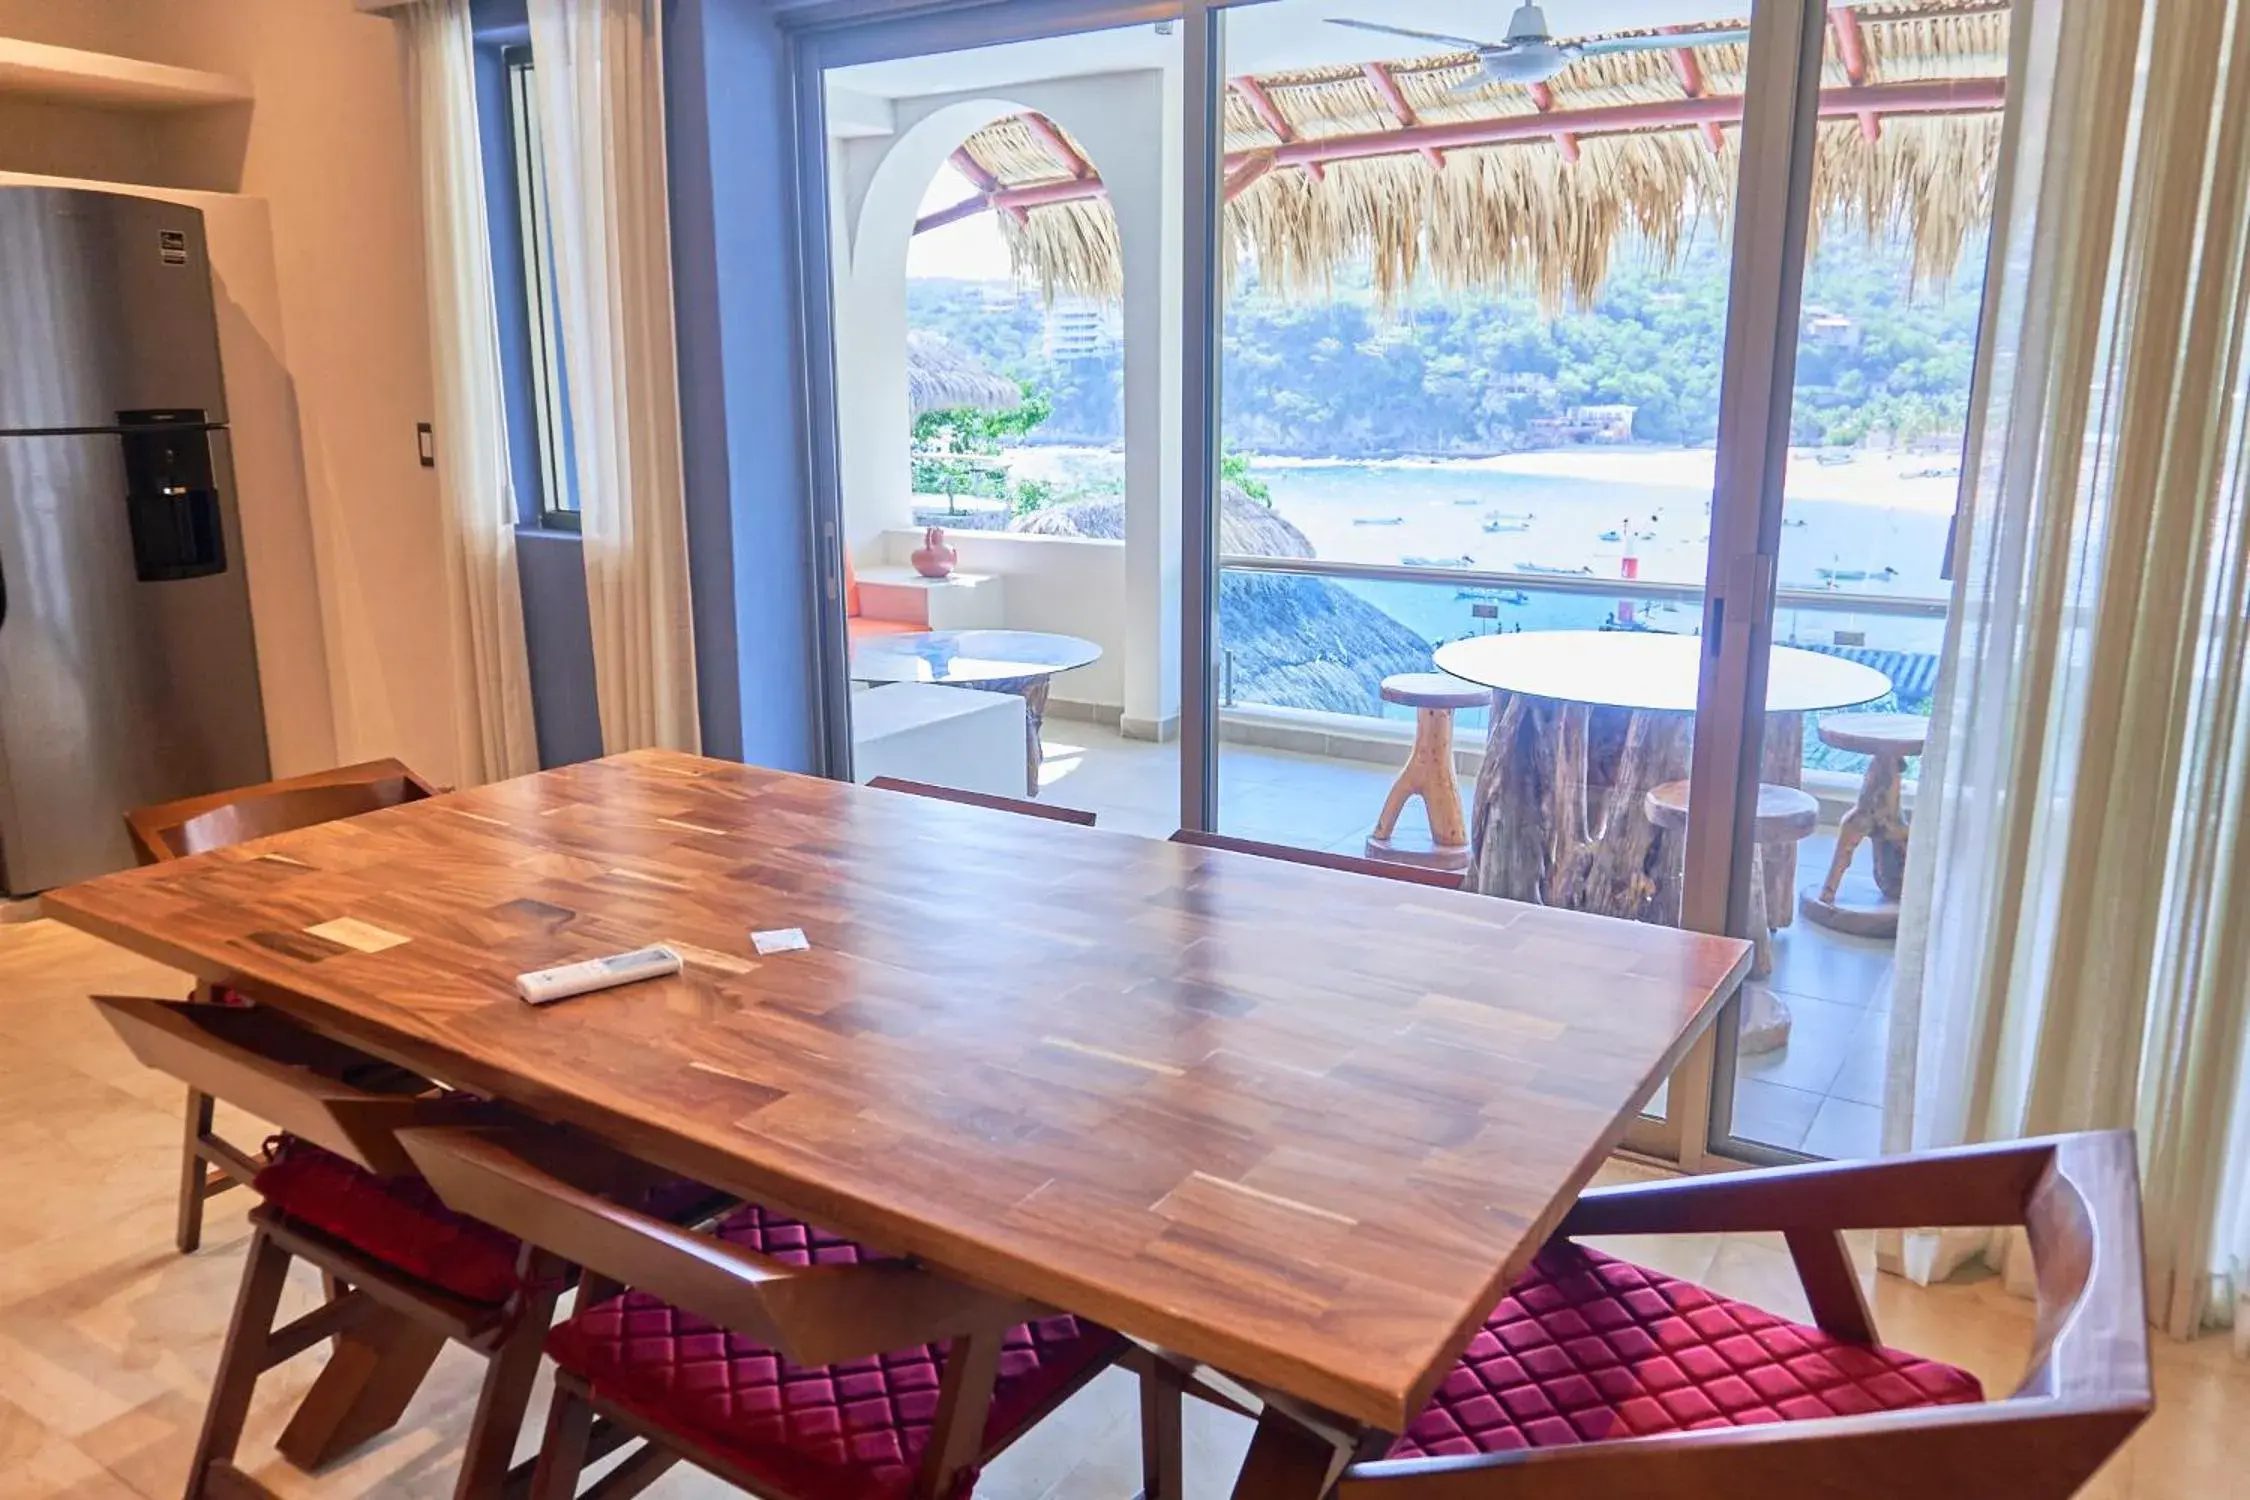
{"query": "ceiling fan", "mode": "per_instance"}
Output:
(1532, 55)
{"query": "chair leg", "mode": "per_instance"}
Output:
(502, 1400)
(972, 1364)
(562, 1450)
(363, 1390)
(189, 1234)
(241, 1361)
(1162, 1463)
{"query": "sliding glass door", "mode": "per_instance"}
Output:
(1509, 440)
(992, 416)
(1498, 308)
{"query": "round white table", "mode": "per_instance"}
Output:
(1022, 662)
(1585, 724)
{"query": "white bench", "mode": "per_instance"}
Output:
(958, 737)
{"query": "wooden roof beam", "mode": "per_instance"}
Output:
(1689, 70)
(1387, 89)
(1543, 100)
(1054, 140)
(1851, 51)
(1241, 178)
(1934, 96)
(1930, 97)
(980, 179)
(1269, 115)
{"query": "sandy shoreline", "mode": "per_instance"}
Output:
(1885, 481)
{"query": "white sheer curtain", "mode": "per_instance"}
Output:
(2075, 950)
(600, 80)
(494, 735)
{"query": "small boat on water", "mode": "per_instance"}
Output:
(1554, 572)
(1612, 536)
(1516, 597)
(1856, 575)
(1378, 520)
(1525, 516)
(1796, 523)
(1463, 561)
(1499, 527)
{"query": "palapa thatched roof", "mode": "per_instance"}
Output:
(940, 376)
(1247, 528)
(1523, 213)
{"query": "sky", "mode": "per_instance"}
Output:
(971, 250)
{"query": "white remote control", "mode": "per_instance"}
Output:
(545, 986)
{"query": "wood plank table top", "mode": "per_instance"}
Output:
(1302, 1125)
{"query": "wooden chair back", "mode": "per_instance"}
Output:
(217, 820)
(1321, 859)
(534, 1185)
(303, 1083)
(1022, 805)
(2087, 1387)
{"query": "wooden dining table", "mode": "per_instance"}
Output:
(1300, 1126)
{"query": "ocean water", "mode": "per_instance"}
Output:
(1396, 513)
(1441, 511)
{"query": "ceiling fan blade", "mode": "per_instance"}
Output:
(1466, 44)
(1726, 36)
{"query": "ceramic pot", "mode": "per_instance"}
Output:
(934, 559)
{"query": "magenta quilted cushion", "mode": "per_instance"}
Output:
(1588, 1349)
(398, 1220)
(851, 1431)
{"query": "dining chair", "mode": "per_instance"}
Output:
(404, 1275)
(990, 800)
(210, 1165)
(790, 1363)
(1597, 1379)
(1322, 859)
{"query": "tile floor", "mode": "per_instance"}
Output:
(1822, 1094)
(108, 1337)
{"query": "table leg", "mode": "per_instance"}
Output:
(1560, 816)
(1034, 719)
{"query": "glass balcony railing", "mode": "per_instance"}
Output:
(1318, 637)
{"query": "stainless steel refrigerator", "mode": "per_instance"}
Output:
(127, 670)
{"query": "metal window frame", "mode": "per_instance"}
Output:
(558, 496)
(815, 45)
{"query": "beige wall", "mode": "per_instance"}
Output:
(326, 145)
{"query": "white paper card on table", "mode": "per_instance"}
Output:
(782, 940)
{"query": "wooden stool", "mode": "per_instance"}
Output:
(1786, 815)
(1889, 740)
(1434, 697)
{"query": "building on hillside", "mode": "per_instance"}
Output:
(1081, 330)
(1586, 424)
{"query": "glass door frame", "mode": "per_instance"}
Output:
(1772, 216)
(815, 46)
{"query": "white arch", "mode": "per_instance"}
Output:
(1124, 122)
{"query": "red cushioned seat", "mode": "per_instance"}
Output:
(849, 1431)
(1589, 1349)
(397, 1220)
